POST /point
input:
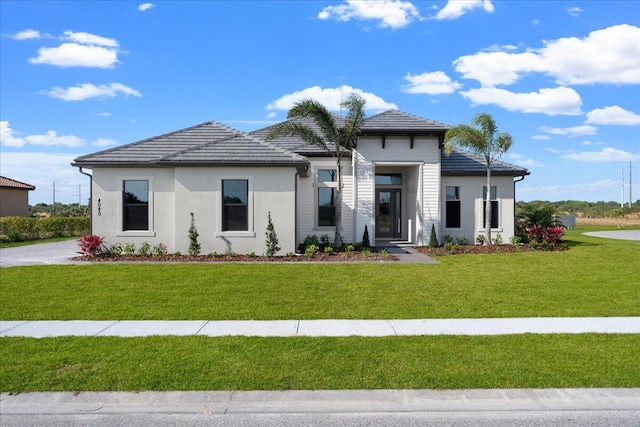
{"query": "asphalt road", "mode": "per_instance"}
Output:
(414, 419)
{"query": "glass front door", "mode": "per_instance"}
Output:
(388, 214)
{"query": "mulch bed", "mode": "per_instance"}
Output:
(320, 257)
(479, 249)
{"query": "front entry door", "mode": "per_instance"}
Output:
(388, 214)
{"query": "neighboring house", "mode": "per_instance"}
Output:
(14, 197)
(397, 182)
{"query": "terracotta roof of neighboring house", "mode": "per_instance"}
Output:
(12, 183)
(461, 162)
(206, 143)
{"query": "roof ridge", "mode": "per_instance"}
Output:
(198, 147)
(483, 160)
(164, 135)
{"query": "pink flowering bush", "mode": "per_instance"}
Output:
(91, 245)
(547, 238)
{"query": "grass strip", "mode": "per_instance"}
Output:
(242, 363)
(596, 277)
(4, 245)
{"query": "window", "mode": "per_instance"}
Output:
(235, 205)
(388, 179)
(326, 206)
(452, 219)
(327, 175)
(135, 205)
(495, 213)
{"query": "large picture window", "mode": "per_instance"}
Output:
(453, 212)
(495, 207)
(135, 205)
(235, 205)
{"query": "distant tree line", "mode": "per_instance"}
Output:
(599, 209)
(71, 210)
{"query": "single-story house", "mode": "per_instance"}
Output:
(397, 182)
(14, 197)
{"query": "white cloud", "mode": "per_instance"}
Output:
(575, 11)
(271, 115)
(522, 160)
(535, 21)
(42, 170)
(434, 83)
(605, 155)
(593, 191)
(90, 39)
(456, 8)
(104, 142)
(540, 137)
(613, 115)
(9, 139)
(554, 101)
(76, 55)
(610, 55)
(51, 138)
(330, 98)
(570, 131)
(391, 13)
(29, 34)
(497, 68)
(553, 150)
(88, 90)
(146, 6)
(104, 114)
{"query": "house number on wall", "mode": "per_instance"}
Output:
(99, 206)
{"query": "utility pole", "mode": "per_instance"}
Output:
(54, 196)
(630, 186)
(622, 190)
(79, 196)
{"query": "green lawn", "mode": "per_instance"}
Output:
(240, 363)
(596, 277)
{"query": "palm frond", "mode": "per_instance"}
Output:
(354, 121)
(310, 109)
(297, 129)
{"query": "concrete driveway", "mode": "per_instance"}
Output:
(616, 234)
(40, 254)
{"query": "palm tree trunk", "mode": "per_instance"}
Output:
(487, 210)
(337, 238)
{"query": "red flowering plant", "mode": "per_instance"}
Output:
(91, 245)
(545, 237)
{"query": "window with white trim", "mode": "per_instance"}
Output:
(327, 195)
(495, 207)
(135, 205)
(452, 207)
(235, 205)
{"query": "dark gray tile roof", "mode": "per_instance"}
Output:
(394, 120)
(295, 144)
(236, 150)
(201, 138)
(461, 162)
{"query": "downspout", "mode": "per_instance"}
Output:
(90, 199)
(514, 202)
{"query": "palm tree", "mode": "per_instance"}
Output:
(480, 137)
(336, 135)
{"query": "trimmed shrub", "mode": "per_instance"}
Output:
(433, 238)
(194, 245)
(18, 229)
(365, 237)
(272, 238)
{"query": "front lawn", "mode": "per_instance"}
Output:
(596, 277)
(241, 363)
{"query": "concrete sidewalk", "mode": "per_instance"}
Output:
(321, 401)
(321, 328)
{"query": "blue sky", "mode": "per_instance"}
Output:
(563, 78)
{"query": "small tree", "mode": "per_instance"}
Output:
(272, 238)
(433, 238)
(365, 237)
(194, 245)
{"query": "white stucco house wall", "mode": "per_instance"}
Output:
(397, 182)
